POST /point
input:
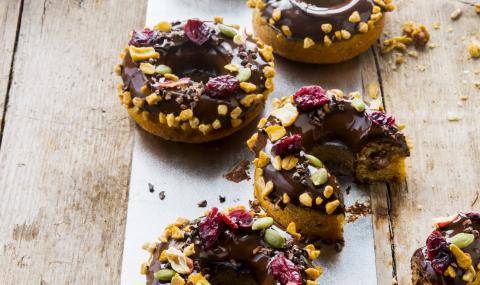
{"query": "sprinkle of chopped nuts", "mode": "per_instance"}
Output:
(286, 31)
(363, 27)
(218, 19)
(232, 67)
(163, 27)
(248, 87)
(142, 53)
(216, 124)
(355, 17)
(236, 113)
(464, 260)
(313, 253)
(292, 229)
(277, 162)
(289, 162)
(248, 100)
(162, 118)
(327, 41)
(267, 53)
(332, 206)
(268, 189)
(186, 115)
(275, 132)
(308, 43)
(318, 200)
(276, 14)
(153, 99)
(305, 199)
(252, 141)
(269, 71)
(204, 128)
(328, 191)
(194, 123)
(326, 28)
(263, 159)
(346, 34)
(222, 109)
(456, 14)
(286, 114)
(170, 76)
(285, 198)
(312, 273)
(474, 50)
(138, 102)
(261, 123)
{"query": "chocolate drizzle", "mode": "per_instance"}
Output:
(305, 17)
(199, 63)
(423, 270)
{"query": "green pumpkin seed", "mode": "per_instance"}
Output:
(358, 104)
(227, 31)
(244, 74)
(274, 239)
(162, 69)
(462, 240)
(164, 274)
(262, 223)
(314, 161)
(319, 177)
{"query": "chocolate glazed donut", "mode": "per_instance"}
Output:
(319, 31)
(451, 255)
(309, 129)
(195, 81)
(237, 244)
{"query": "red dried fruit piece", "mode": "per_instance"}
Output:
(227, 220)
(289, 145)
(381, 119)
(241, 218)
(172, 84)
(285, 271)
(210, 228)
(473, 216)
(441, 262)
(197, 31)
(221, 86)
(143, 38)
(435, 243)
(310, 97)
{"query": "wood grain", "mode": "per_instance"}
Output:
(66, 150)
(10, 14)
(443, 171)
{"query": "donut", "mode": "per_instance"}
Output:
(309, 130)
(319, 31)
(451, 254)
(236, 244)
(194, 81)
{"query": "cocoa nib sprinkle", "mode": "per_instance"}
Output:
(222, 199)
(239, 172)
(161, 195)
(202, 204)
(151, 188)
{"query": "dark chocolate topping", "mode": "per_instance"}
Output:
(461, 224)
(305, 17)
(199, 63)
(242, 253)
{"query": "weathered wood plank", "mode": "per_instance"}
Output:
(9, 19)
(443, 169)
(66, 151)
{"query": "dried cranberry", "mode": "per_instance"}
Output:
(284, 271)
(241, 218)
(289, 145)
(221, 86)
(381, 119)
(441, 262)
(143, 38)
(435, 243)
(197, 31)
(475, 217)
(310, 97)
(210, 228)
(227, 220)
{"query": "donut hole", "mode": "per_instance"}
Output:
(224, 273)
(336, 156)
(200, 63)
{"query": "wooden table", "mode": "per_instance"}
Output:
(66, 143)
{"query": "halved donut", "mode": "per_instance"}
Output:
(195, 81)
(236, 246)
(311, 128)
(316, 31)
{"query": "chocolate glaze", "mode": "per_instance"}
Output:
(343, 126)
(420, 258)
(305, 17)
(198, 63)
(236, 254)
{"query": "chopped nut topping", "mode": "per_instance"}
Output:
(312, 252)
(260, 5)
(292, 229)
(308, 43)
(236, 113)
(268, 189)
(186, 115)
(332, 206)
(261, 123)
(222, 109)
(326, 28)
(286, 31)
(248, 100)
(162, 118)
(204, 128)
(189, 250)
(275, 132)
(277, 163)
(138, 102)
(153, 99)
(218, 19)
(248, 87)
(194, 123)
(178, 280)
(232, 67)
(318, 200)
(286, 114)
(464, 260)
(163, 27)
(363, 27)
(328, 191)
(117, 69)
(170, 76)
(178, 260)
(216, 124)
(474, 50)
(327, 41)
(144, 268)
(276, 14)
(269, 71)
(355, 17)
(305, 199)
(142, 53)
(266, 52)
(289, 162)
(346, 34)
(144, 89)
(312, 273)
(285, 198)
(252, 141)
(263, 159)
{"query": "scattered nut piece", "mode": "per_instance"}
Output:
(456, 14)
(326, 28)
(275, 132)
(163, 27)
(276, 14)
(332, 206)
(474, 50)
(252, 141)
(308, 43)
(355, 17)
(222, 109)
(248, 87)
(263, 159)
(289, 162)
(305, 199)
(277, 162)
